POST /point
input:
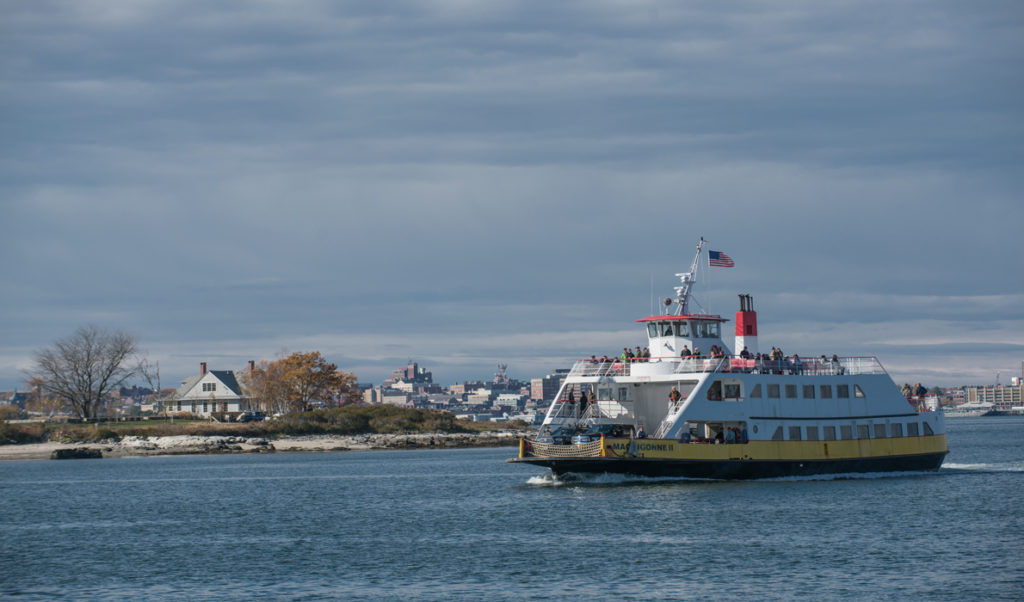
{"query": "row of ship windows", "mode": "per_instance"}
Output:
(846, 432)
(731, 391)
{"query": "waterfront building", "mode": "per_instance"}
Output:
(1004, 398)
(210, 392)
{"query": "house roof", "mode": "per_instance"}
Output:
(225, 377)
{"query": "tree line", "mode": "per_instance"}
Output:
(80, 371)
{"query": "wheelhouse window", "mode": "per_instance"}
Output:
(652, 329)
(666, 329)
(682, 329)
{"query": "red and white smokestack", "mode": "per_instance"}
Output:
(202, 368)
(746, 326)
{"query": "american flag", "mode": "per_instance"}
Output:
(719, 259)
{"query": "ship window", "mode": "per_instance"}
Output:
(912, 429)
(682, 329)
(846, 432)
(777, 435)
(666, 329)
(812, 433)
(732, 391)
(773, 391)
(843, 391)
(826, 391)
(790, 391)
(794, 433)
(879, 431)
(830, 433)
(927, 429)
(652, 329)
(896, 430)
(862, 431)
(623, 394)
(808, 391)
(713, 330)
(715, 391)
(756, 391)
(857, 392)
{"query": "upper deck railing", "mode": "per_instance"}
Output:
(691, 365)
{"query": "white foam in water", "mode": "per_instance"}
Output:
(985, 467)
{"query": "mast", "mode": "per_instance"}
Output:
(686, 282)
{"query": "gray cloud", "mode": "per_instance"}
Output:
(242, 177)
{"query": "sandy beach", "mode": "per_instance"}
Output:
(188, 444)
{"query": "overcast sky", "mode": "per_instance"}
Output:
(467, 183)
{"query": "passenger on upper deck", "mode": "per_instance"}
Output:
(674, 395)
(837, 368)
(745, 354)
(797, 365)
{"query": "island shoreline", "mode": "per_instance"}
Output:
(132, 446)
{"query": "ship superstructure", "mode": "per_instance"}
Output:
(695, 407)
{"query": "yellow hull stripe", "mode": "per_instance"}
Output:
(776, 450)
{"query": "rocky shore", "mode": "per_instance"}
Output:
(190, 444)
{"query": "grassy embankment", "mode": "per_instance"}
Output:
(352, 420)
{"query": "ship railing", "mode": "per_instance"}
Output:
(600, 368)
(815, 366)
(787, 365)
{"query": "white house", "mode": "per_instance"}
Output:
(213, 391)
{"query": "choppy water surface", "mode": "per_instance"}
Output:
(464, 524)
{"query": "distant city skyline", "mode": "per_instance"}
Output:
(468, 184)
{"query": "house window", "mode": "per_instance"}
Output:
(830, 433)
(756, 391)
(826, 391)
(808, 391)
(843, 391)
(880, 431)
(912, 429)
(207, 387)
(846, 432)
(812, 433)
(205, 407)
(773, 391)
(790, 391)
(794, 433)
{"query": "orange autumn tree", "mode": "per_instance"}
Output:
(300, 382)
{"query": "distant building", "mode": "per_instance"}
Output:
(411, 373)
(1004, 398)
(545, 389)
(210, 392)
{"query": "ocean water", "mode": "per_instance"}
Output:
(464, 524)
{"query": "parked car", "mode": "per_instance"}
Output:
(251, 417)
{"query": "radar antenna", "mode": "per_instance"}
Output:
(686, 282)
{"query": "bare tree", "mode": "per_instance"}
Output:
(84, 367)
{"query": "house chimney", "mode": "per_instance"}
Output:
(252, 367)
(202, 369)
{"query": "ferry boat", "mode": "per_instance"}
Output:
(691, 407)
